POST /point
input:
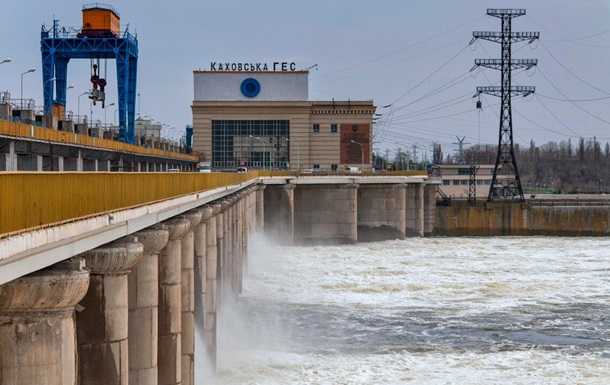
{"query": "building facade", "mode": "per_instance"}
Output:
(456, 178)
(264, 119)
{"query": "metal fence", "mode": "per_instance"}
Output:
(31, 131)
(31, 200)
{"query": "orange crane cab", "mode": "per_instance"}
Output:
(100, 20)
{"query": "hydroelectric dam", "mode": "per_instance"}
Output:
(106, 278)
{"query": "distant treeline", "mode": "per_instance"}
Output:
(564, 167)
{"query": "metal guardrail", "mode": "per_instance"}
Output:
(62, 137)
(34, 200)
(30, 200)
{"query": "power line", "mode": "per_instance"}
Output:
(543, 127)
(440, 106)
(450, 84)
(573, 100)
(574, 104)
(580, 38)
(555, 116)
(409, 45)
(601, 90)
(434, 72)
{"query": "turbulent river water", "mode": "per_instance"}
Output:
(423, 311)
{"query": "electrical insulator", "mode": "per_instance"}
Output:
(479, 105)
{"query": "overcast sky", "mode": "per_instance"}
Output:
(411, 54)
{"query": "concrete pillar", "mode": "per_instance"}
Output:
(326, 213)
(11, 157)
(79, 161)
(211, 287)
(278, 214)
(60, 163)
(200, 364)
(415, 210)
(39, 163)
(429, 208)
(143, 308)
(188, 299)
(147, 165)
(102, 325)
(221, 246)
(109, 165)
(242, 223)
(170, 304)
(139, 167)
(97, 165)
(260, 207)
(37, 331)
(381, 212)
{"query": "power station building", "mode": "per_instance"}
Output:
(260, 116)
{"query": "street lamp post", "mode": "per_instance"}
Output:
(68, 99)
(22, 75)
(78, 104)
(296, 148)
(48, 117)
(105, 114)
(361, 151)
(264, 148)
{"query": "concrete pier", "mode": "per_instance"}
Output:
(170, 304)
(188, 298)
(220, 245)
(326, 213)
(415, 210)
(102, 325)
(211, 287)
(200, 365)
(430, 191)
(381, 212)
(37, 328)
(260, 207)
(143, 308)
(279, 212)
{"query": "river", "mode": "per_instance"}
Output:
(511, 310)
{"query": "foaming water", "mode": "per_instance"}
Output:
(423, 311)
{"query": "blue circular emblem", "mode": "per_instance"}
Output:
(250, 87)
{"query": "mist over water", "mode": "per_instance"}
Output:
(422, 311)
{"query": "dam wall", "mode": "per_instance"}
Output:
(556, 218)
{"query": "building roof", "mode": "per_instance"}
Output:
(201, 71)
(450, 166)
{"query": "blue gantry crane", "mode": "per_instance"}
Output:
(99, 38)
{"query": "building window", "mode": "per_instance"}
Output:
(316, 166)
(446, 182)
(250, 143)
(333, 128)
(334, 167)
(316, 128)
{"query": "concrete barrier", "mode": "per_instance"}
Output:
(516, 218)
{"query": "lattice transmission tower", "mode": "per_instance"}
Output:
(506, 184)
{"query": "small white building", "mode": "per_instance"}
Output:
(455, 179)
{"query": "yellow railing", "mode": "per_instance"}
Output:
(341, 173)
(29, 131)
(30, 200)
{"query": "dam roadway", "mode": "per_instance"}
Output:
(106, 277)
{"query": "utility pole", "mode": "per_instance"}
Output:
(508, 187)
(472, 185)
(460, 143)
